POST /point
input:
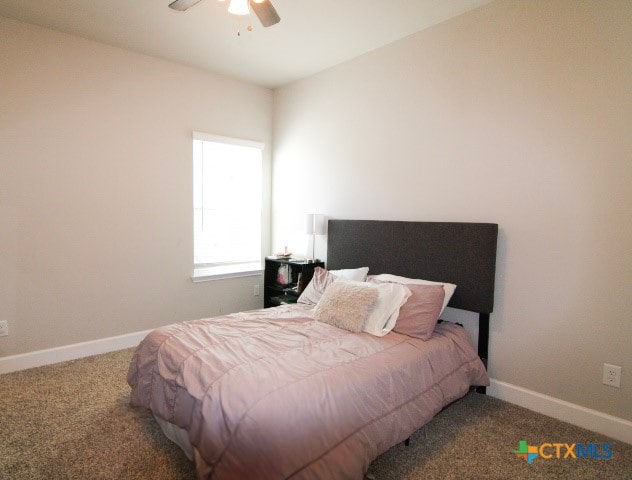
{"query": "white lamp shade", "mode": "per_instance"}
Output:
(314, 224)
(239, 7)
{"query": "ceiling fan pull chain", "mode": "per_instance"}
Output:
(238, 26)
(249, 28)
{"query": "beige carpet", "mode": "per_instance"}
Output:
(73, 421)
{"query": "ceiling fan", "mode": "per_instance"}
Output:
(264, 9)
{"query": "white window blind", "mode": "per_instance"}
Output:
(227, 197)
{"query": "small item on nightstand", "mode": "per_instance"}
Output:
(283, 275)
(299, 283)
(284, 254)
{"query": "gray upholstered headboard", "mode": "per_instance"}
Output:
(459, 253)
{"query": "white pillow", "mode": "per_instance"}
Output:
(353, 274)
(448, 288)
(382, 318)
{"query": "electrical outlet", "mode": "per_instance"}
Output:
(612, 375)
(256, 290)
(4, 328)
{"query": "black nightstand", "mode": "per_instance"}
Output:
(276, 293)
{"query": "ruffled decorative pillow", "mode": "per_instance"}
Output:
(316, 287)
(323, 278)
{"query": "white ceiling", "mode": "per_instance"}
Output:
(313, 35)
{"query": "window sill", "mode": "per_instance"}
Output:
(207, 274)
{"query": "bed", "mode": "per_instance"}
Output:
(274, 394)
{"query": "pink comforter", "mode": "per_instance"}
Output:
(273, 394)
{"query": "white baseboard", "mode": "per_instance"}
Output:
(49, 356)
(615, 427)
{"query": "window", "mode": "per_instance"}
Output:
(227, 197)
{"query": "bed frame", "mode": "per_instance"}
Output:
(459, 253)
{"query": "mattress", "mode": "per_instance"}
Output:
(273, 394)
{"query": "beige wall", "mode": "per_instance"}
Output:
(517, 113)
(96, 187)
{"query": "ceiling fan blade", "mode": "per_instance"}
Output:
(183, 5)
(266, 12)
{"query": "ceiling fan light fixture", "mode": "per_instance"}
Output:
(239, 7)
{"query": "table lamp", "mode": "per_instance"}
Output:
(314, 225)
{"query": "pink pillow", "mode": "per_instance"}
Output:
(419, 315)
(316, 287)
